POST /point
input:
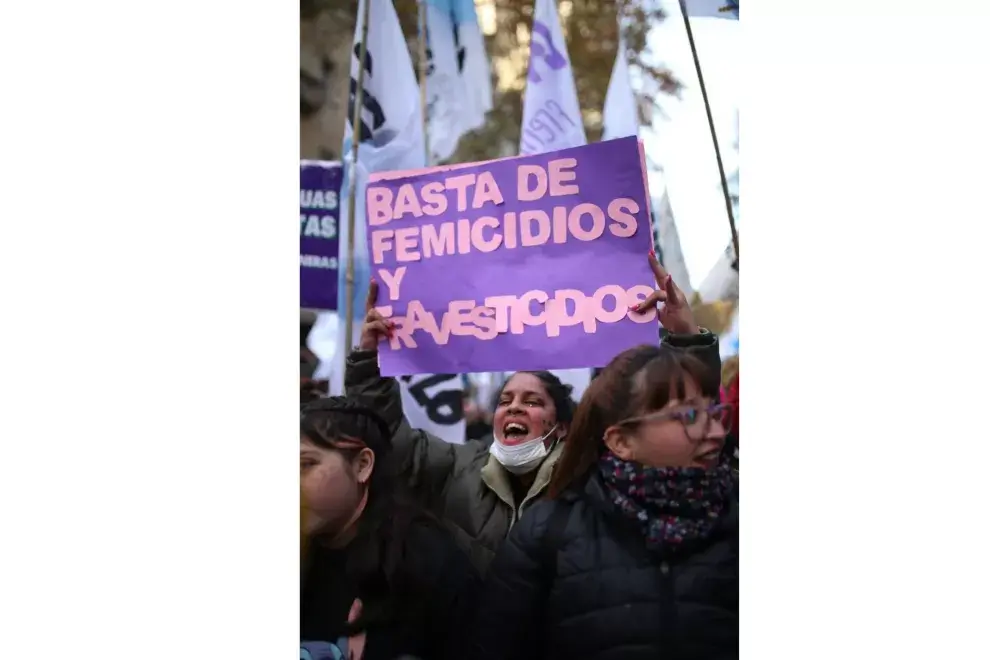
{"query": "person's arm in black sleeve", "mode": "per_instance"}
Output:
(364, 380)
(676, 314)
(508, 624)
(703, 345)
(425, 461)
(362, 377)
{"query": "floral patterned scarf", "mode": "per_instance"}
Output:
(675, 508)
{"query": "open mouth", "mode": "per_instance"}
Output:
(515, 431)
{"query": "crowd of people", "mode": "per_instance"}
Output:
(604, 529)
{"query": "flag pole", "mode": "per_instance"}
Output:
(422, 78)
(711, 127)
(352, 180)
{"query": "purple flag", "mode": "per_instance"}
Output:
(520, 263)
(319, 194)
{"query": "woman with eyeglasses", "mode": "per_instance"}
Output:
(381, 578)
(636, 554)
(482, 490)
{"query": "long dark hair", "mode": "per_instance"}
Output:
(640, 379)
(377, 557)
(559, 392)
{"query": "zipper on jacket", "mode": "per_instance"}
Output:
(512, 509)
(669, 626)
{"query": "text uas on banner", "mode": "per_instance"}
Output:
(319, 197)
(521, 263)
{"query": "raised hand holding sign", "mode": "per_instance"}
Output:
(675, 315)
(376, 327)
(432, 402)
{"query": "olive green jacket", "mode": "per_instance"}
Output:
(463, 484)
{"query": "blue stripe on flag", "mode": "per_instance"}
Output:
(463, 11)
(712, 8)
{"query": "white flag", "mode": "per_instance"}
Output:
(435, 403)
(391, 138)
(446, 101)
(551, 117)
(477, 72)
(458, 78)
(323, 340)
(620, 116)
(722, 280)
(712, 8)
(670, 246)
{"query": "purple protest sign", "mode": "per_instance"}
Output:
(521, 263)
(319, 193)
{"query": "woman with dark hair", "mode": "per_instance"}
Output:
(481, 490)
(381, 578)
(478, 488)
(636, 555)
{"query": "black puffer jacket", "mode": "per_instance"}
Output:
(441, 582)
(610, 598)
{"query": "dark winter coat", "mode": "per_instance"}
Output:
(430, 624)
(596, 592)
(463, 484)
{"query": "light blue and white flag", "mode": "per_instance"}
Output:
(728, 342)
(391, 138)
(712, 8)
(458, 76)
(620, 116)
(551, 117)
(476, 71)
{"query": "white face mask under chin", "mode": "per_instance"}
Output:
(521, 458)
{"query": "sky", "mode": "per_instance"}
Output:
(683, 145)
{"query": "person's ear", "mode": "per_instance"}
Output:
(620, 442)
(364, 465)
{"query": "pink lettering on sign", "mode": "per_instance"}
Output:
(531, 228)
(561, 172)
(513, 314)
(528, 262)
(379, 205)
(392, 281)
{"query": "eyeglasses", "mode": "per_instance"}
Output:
(696, 420)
